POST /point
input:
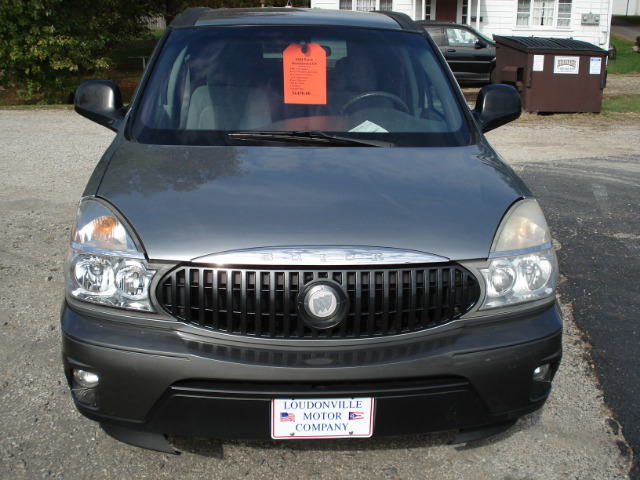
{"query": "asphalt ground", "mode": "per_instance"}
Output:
(46, 158)
(594, 212)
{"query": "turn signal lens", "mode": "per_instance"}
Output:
(105, 229)
(524, 226)
(97, 227)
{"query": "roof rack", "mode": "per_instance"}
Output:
(403, 20)
(189, 17)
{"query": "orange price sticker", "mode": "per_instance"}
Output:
(305, 74)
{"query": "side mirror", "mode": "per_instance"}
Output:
(480, 44)
(496, 105)
(100, 101)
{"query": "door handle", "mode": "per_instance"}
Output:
(451, 50)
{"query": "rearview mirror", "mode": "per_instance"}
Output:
(100, 101)
(496, 105)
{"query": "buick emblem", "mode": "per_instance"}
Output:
(322, 301)
(322, 305)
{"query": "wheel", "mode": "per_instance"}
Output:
(398, 103)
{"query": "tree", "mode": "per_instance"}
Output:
(172, 8)
(45, 43)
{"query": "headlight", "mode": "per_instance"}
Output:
(105, 266)
(523, 265)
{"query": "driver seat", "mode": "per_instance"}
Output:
(353, 76)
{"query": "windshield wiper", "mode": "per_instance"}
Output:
(308, 137)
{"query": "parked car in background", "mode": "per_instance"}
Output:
(300, 231)
(470, 54)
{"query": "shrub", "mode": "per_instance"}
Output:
(44, 44)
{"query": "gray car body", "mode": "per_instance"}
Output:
(187, 202)
(233, 206)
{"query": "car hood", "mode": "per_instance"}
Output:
(189, 202)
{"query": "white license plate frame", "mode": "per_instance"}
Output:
(322, 418)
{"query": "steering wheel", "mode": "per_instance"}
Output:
(398, 103)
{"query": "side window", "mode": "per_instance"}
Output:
(437, 35)
(459, 37)
(169, 88)
(436, 103)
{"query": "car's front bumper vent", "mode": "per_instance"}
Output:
(263, 303)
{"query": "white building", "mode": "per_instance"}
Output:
(626, 7)
(587, 20)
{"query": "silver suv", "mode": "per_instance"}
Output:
(300, 231)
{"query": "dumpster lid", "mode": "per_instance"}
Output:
(548, 44)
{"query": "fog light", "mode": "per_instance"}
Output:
(85, 379)
(541, 373)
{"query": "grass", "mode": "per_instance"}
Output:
(626, 61)
(621, 104)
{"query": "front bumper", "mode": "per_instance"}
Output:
(165, 380)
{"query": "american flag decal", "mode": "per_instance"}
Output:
(287, 417)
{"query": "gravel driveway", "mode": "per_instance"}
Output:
(46, 158)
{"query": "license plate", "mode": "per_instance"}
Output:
(322, 418)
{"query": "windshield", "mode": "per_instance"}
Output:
(214, 86)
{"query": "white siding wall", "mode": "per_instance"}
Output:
(330, 4)
(499, 18)
(404, 6)
(626, 7)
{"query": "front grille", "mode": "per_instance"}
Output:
(263, 303)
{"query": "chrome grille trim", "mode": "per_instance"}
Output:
(320, 255)
(262, 303)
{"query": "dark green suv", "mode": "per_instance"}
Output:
(470, 54)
